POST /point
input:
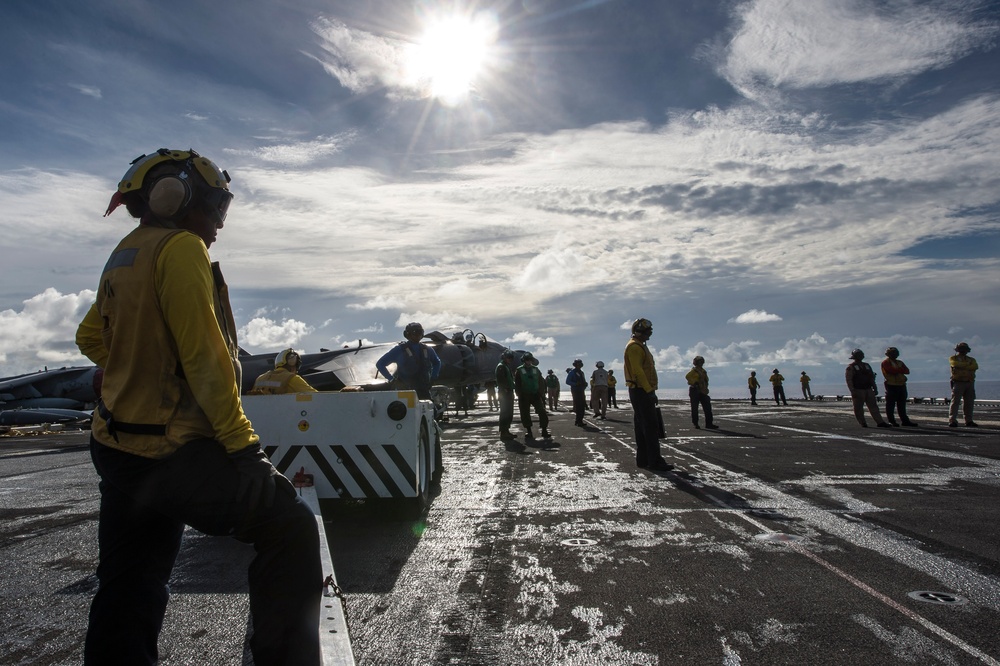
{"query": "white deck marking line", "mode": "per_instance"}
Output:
(954, 455)
(861, 585)
(919, 619)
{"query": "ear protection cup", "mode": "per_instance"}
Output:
(169, 197)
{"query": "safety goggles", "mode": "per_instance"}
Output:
(217, 201)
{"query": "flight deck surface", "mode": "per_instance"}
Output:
(788, 536)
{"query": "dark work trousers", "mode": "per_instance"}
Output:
(612, 398)
(524, 405)
(145, 505)
(779, 394)
(895, 400)
(506, 397)
(697, 397)
(647, 427)
(579, 403)
(753, 396)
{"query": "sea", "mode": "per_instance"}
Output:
(985, 390)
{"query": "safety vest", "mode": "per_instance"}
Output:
(894, 372)
(963, 368)
(698, 377)
(147, 407)
(273, 382)
(863, 376)
(528, 380)
(647, 367)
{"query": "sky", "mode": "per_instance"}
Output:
(772, 183)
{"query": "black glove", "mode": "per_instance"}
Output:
(258, 477)
(653, 398)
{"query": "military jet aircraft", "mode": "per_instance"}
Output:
(467, 358)
(64, 388)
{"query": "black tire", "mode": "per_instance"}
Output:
(438, 459)
(417, 505)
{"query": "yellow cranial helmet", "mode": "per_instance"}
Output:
(287, 357)
(170, 181)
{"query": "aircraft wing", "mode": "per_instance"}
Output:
(69, 388)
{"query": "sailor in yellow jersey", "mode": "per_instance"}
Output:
(779, 389)
(753, 385)
(284, 378)
(963, 385)
(170, 441)
(806, 392)
(640, 377)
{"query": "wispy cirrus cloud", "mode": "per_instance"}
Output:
(788, 44)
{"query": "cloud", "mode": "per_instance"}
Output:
(43, 331)
(380, 302)
(557, 271)
(89, 91)
(360, 60)
(301, 153)
(530, 342)
(754, 317)
(374, 328)
(789, 44)
(265, 332)
(435, 321)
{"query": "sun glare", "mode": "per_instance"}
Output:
(451, 55)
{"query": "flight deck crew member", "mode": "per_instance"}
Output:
(552, 388)
(779, 390)
(169, 439)
(894, 371)
(284, 378)
(963, 384)
(599, 391)
(505, 392)
(754, 385)
(806, 393)
(530, 389)
(417, 365)
(612, 392)
(697, 379)
(861, 381)
(577, 386)
(640, 377)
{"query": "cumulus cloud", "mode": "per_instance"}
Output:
(43, 331)
(554, 271)
(784, 43)
(754, 317)
(266, 332)
(669, 359)
(528, 341)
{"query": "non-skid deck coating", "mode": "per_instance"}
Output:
(789, 536)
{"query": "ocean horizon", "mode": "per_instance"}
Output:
(985, 390)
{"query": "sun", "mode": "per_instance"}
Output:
(451, 55)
